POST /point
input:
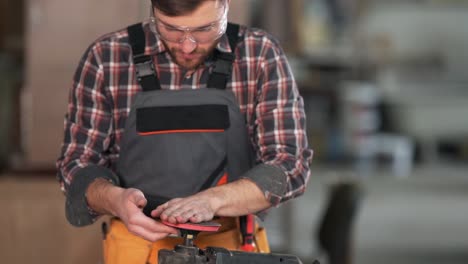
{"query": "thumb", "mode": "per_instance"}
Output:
(139, 199)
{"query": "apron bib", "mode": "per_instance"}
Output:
(177, 143)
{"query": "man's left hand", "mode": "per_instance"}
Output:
(196, 208)
(237, 198)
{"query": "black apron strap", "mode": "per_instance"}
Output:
(232, 32)
(144, 65)
(223, 61)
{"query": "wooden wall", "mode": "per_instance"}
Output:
(57, 33)
(34, 228)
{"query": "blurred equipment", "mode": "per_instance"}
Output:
(335, 231)
(421, 70)
(365, 141)
(188, 253)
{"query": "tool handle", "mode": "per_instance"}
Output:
(247, 226)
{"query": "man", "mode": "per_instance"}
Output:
(162, 113)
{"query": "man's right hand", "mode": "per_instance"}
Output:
(126, 204)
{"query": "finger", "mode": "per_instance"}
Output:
(196, 218)
(170, 211)
(146, 234)
(161, 208)
(168, 229)
(138, 198)
(141, 202)
(151, 225)
(183, 217)
(176, 216)
(157, 212)
(201, 217)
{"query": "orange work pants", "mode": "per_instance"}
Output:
(122, 247)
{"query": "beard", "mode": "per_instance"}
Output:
(194, 59)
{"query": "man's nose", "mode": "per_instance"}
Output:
(188, 45)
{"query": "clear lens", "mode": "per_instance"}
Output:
(203, 34)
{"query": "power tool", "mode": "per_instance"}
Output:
(188, 253)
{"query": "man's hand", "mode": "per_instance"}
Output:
(127, 204)
(129, 210)
(196, 208)
(233, 199)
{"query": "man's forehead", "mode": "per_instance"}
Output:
(208, 12)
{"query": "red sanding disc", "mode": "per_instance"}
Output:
(204, 226)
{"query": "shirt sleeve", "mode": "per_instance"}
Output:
(280, 135)
(87, 137)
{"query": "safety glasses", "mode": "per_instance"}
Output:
(178, 34)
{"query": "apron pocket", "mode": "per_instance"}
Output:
(261, 240)
(182, 119)
(122, 247)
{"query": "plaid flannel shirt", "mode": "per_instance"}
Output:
(105, 84)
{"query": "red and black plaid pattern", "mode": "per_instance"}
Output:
(105, 84)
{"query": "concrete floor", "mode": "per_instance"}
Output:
(419, 219)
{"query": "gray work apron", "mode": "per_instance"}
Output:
(177, 143)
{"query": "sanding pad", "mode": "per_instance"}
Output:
(209, 226)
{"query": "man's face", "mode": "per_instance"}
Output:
(191, 38)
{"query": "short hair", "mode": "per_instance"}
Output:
(179, 7)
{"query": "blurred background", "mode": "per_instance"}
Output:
(385, 86)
